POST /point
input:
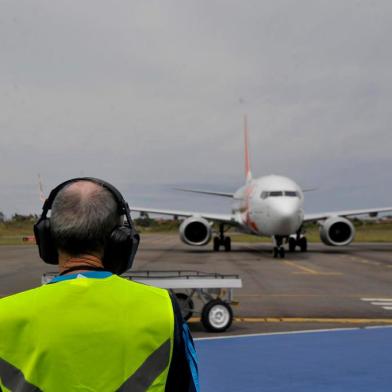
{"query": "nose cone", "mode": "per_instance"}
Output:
(285, 216)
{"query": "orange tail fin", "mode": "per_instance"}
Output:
(41, 189)
(248, 173)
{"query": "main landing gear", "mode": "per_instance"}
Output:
(300, 241)
(222, 240)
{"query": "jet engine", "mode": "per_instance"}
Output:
(337, 231)
(195, 231)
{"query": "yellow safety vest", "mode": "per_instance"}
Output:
(86, 334)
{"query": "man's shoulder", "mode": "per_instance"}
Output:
(19, 301)
(126, 290)
(127, 284)
(20, 296)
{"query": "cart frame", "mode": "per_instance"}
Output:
(214, 290)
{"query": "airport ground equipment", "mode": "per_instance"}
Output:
(209, 295)
(212, 290)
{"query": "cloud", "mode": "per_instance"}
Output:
(153, 92)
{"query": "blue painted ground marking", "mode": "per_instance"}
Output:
(342, 360)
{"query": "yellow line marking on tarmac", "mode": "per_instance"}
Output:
(305, 320)
(300, 267)
(318, 273)
(309, 295)
(289, 295)
(364, 261)
(359, 259)
(308, 271)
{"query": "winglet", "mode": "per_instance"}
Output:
(248, 173)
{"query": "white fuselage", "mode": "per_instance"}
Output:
(270, 205)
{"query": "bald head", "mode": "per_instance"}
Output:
(84, 188)
(83, 216)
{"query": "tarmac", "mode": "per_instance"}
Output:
(323, 288)
(269, 346)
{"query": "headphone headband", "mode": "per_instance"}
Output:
(122, 204)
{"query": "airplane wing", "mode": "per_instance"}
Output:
(325, 215)
(205, 192)
(223, 218)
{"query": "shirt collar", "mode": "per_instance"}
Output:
(81, 275)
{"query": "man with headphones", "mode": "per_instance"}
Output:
(89, 329)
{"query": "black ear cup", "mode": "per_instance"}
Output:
(120, 249)
(43, 238)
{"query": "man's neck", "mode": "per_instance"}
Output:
(86, 262)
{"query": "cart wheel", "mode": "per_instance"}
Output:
(216, 316)
(186, 305)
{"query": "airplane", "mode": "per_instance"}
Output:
(271, 205)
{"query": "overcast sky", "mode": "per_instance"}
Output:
(150, 94)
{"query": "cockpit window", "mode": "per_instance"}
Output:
(266, 194)
(291, 193)
(275, 193)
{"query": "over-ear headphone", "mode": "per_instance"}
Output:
(121, 245)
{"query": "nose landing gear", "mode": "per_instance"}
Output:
(294, 241)
(222, 240)
(279, 251)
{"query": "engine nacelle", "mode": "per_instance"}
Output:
(337, 231)
(195, 231)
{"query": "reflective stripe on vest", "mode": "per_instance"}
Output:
(153, 366)
(13, 379)
(86, 334)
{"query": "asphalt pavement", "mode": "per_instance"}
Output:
(323, 288)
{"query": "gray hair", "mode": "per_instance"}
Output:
(81, 223)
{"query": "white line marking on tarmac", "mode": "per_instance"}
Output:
(379, 326)
(377, 299)
(293, 332)
(385, 303)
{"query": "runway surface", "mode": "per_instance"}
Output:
(326, 287)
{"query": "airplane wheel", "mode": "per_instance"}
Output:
(216, 244)
(216, 316)
(292, 244)
(186, 305)
(282, 252)
(227, 243)
(303, 244)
